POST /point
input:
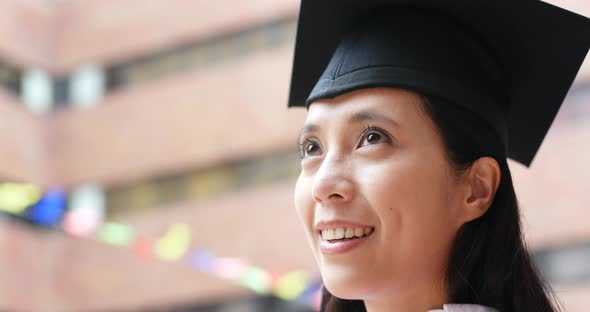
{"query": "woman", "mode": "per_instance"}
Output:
(405, 193)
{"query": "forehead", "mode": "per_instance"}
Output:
(400, 104)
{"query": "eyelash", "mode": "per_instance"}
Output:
(302, 146)
(374, 129)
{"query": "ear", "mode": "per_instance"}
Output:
(482, 181)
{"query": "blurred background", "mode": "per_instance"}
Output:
(148, 161)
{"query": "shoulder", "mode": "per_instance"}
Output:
(464, 308)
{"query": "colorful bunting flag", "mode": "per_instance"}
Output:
(117, 234)
(174, 244)
(291, 285)
(256, 279)
(48, 210)
(15, 198)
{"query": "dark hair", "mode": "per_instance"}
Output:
(489, 263)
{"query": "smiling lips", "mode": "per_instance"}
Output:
(340, 237)
(344, 233)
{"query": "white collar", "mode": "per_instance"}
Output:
(464, 308)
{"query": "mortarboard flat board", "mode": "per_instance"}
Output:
(510, 62)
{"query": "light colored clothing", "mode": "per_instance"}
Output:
(464, 308)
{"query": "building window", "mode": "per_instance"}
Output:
(201, 183)
(10, 77)
(202, 53)
(564, 264)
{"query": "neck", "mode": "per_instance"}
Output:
(412, 298)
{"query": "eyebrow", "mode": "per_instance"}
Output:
(307, 128)
(355, 118)
(367, 115)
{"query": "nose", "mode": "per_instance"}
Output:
(333, 181)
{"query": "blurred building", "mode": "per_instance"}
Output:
(175, 112)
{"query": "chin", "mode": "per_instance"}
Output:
(344, 286)
(343, 291)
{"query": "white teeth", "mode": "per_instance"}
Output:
(349, 233)
(340, 233)
(358, 232)
(328, 234)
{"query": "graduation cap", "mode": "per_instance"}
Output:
(510, 62)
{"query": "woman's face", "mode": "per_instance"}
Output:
(374, 166)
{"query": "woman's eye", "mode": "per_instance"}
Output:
(310, 148)
(372, 138)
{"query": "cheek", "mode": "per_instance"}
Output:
(409, 191)
(412, 202)
(303, 201)
(305, 207)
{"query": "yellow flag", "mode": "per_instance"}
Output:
(291, 285)
(174, 244)
(15, 197)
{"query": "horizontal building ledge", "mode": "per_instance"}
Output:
(64, 35)
(44, 269)
(227, 112)
(24, 139)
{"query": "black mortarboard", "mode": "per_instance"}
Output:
(510, 62)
